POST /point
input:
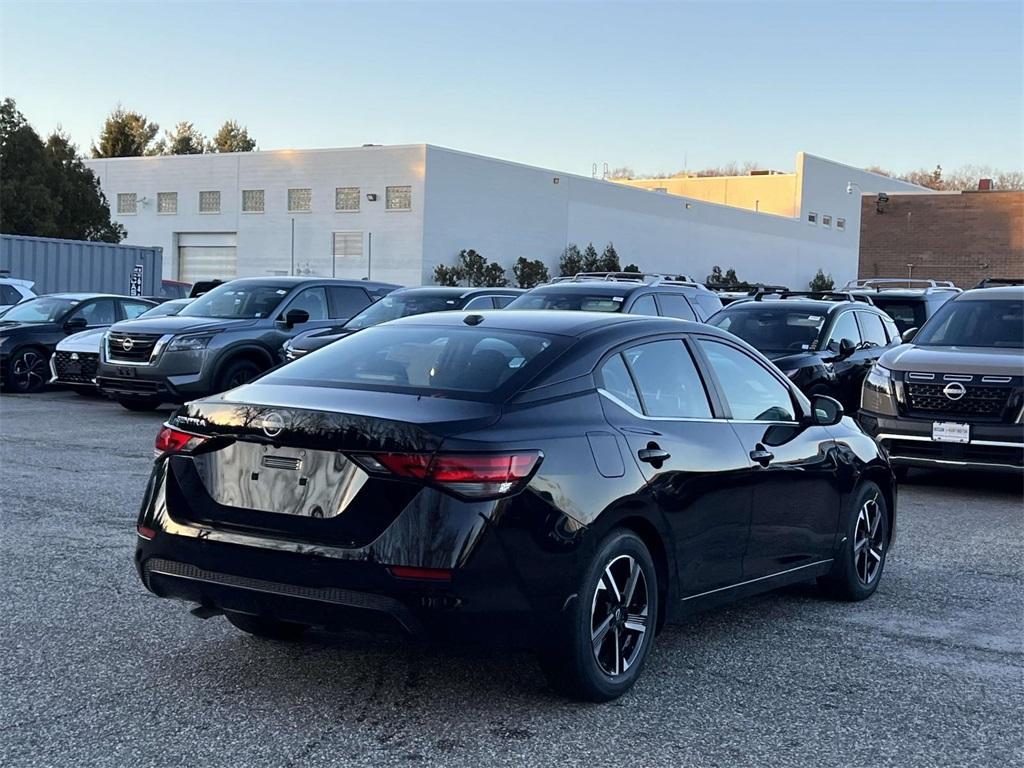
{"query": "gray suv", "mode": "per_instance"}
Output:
(954, 396)
(222, 339)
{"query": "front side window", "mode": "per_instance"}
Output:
(750, 391)
(167, 202)
(127, 203)
(572, 300)
(771, 329)
(234, 301)
(676, 305)
(845, 327)
(313, 301)
(644, 306)
(346, 199)
(99, 312)
(871, 329)
(470, 363)
(669, 384)
(300, 200)
(971, 323)
(254, 200)
(398, 198)
(209, 201)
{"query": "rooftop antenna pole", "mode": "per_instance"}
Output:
(293, 246)
(593, 171)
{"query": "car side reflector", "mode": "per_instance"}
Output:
(421, 574)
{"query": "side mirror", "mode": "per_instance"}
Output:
(846, 348)
(296, 317)
(825, 410)
(908, 335)
(75, 324)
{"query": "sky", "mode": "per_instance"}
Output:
(657, 87)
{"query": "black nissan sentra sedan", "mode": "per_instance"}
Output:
(568, 480)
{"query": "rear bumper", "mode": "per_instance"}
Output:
(997, 447)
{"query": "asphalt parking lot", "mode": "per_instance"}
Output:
(96, 672)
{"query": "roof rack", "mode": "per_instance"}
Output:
(816, 295)
(878, 284)
(748, 288)
(648, 278)
(991, 282)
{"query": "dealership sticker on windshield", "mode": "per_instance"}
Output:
(950, 432)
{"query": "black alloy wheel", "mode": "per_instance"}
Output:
(27, 371)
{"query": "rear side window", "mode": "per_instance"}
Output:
(752, 393)
(670, 386)
(132, 309)
(347, 301)
(706, 304)
(676, 305)
(644, 306)
(871, 329)
(9, 294)
(500, 302)
(472, 363)
(618, 383)
(480, 302)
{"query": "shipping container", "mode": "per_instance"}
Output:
(58, 266)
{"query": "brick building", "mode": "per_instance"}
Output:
(959, 236)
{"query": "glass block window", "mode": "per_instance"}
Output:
(209, 202)
(840, 223)
(300, 200)
(812, 218)
(127, 202)
(253, 200)
(826, 221)
(346, 199)
(166, 202)
(398, 198)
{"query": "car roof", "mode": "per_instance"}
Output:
(289, 281)
(593, 287)
(83, 296)
(456, 292)
(800, 305)
(1004, 292)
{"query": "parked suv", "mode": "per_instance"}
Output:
(908, 305)
(14, 291)
(954, 396)
(634, 293)
(825, 342)
(222, 339)
(401, 303)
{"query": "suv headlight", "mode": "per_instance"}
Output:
(193, 343)
(879, 379)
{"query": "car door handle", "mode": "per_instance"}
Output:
(762, 456)
(653, 455)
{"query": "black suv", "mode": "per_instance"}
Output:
(908, 305)
(825, 342)
(29, 331)
(401, 303)
(634, 293)
(222, 339)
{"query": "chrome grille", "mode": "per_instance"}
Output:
(75, 367)
(133, 347)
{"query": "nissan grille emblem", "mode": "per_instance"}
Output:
(954, 390)
(273, 424)
(127, 344)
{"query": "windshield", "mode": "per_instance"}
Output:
(166, 309)
(775, 329)
(45, 309)
(907, 314)
(237, 301)
(975, 323)
(471, 363)
(573, 300)
(393, 307)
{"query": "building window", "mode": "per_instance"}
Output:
(826, 221)
(840, 223)
(346, 199)
(348, 244)
(127, 203)
(253, 200)
(209, 202)
(166, 202)
(812, 218)
(300, 200)
(398, 198)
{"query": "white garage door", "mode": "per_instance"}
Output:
(207, 262)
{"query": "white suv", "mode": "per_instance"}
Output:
(13, 290)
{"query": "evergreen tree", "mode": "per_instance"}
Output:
(610, 259)
(529, 273)
(183, 140)
(125, 134)
(570, 262)
(232, 137)
(822, 282)
(591, 261)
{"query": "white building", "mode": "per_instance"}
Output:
(395, 212)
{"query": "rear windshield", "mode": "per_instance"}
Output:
(465, 363)
(975, 323)
(573, 300)
(393, 307)
(907, 314)
(774, 329)
(234, 301)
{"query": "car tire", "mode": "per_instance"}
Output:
(266, 628)
(237, 373)
(139, 404)
(858, 568)
(28, 370)
(91, 392)
(606, 634)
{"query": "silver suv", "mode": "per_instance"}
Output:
(954, 396)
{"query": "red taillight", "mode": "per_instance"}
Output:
(145, 532)
(477, 475)
(171, 440)
(422, 574)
